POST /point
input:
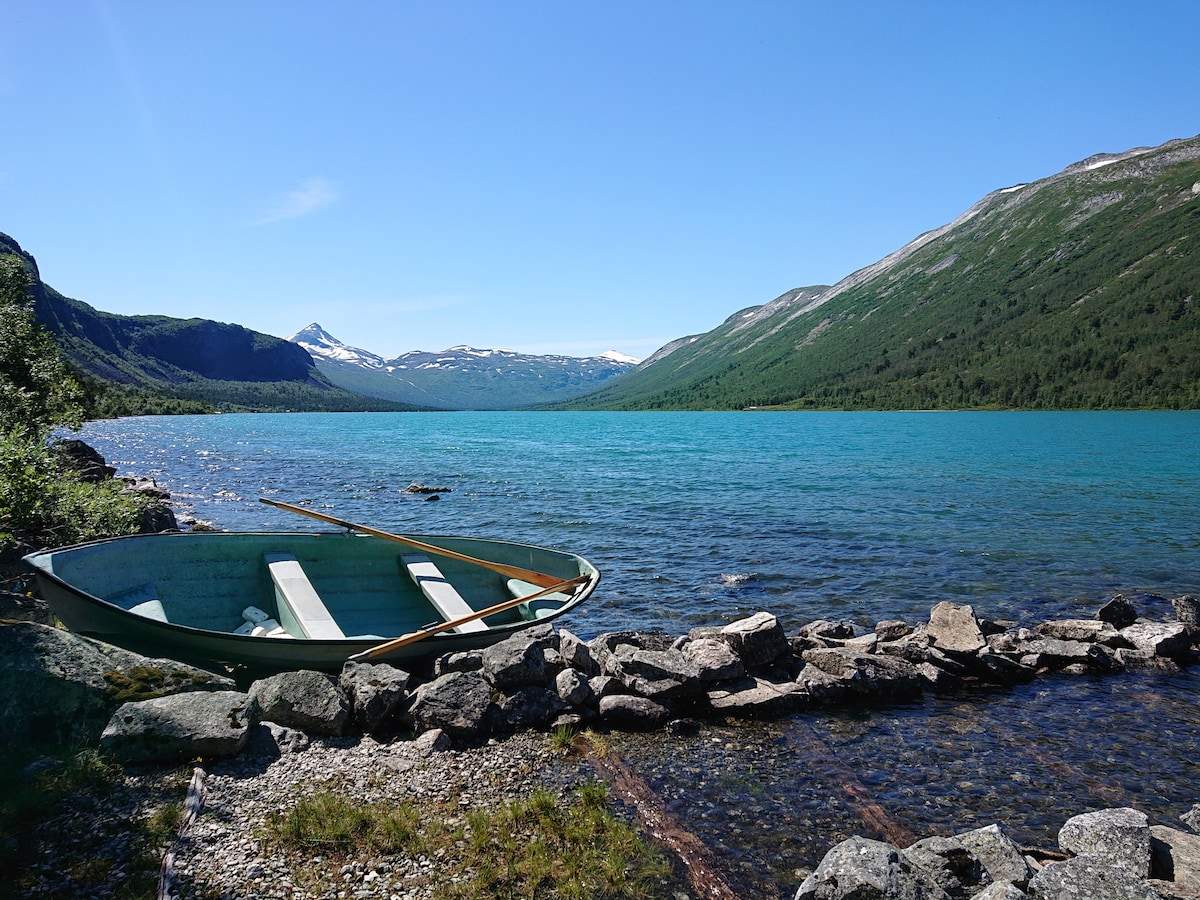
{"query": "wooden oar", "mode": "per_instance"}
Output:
(411, 638)
(538, 578)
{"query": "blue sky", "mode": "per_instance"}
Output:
(551, 177)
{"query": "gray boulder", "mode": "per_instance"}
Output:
(531, 706)
(22, 608)
(626, 712)
(376, 693)
(573, 688)
(1175, 858)
(955, 629)
(1093, 631)
(516, 662)
(1191, 819)
(1054, 653)
(61, 688)
(1118, 612)
(1001, 890)
(999, 854)
(662, 675)
(456, 703)
(307, 700)
(862, 869)
(759, 639)
(1166, 639)
(892, 630)
(1187, 610)
(180, 727)
(714, 660)
(866, 674)
(953, 867)
(757, 698)
(462, 661)
(273, 741)
(577, 654)
(1090, 877)
(1119, 836)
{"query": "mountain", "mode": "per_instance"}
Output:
(197, 361)
(461, 377)
(1076, 291)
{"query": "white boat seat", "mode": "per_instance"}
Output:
(142, 600)
(301, 612)
(440, 592)
(539, 608)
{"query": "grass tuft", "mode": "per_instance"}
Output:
(545, 845)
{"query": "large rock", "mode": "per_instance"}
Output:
(999, 854)
(1120, 836)
(517, 661)
(953, 867)
(1175, 857)
(664, 676)
(625, 712)
(955, 629)
(531, 706)
(457, 703)
(22, 608)
(867, 675)
(1118, 612)
(1187, 610)
(1094, 631)
(573, 688)
(714, 660)
(307, 700)
(376, 693)
(1170, 640)
(57, 687)
(577, 654)
(862, 869)
(755, 698)
(1089, 878)
(1054, 653)
(180, 727)
(759, 639)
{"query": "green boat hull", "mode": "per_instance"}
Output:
(202, 583)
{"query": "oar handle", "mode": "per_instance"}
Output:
(404, 640)
(539, 578)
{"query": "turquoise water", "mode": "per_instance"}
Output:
(696, 518)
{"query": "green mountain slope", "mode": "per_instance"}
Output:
(150, 361)
(1076, 291)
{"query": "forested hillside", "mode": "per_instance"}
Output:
(135, 364)
(1074, 292)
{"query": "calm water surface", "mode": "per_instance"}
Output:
(698, 518)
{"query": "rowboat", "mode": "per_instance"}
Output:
(290, 600)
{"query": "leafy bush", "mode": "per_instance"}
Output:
(41, 505)
(37, 390)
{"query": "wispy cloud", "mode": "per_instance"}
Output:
(312, 194)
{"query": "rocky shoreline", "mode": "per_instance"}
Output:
(465, 713)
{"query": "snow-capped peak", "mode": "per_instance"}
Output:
(319, 342)
(616, 356)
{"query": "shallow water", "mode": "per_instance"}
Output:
(700, 518)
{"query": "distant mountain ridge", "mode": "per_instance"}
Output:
(461, 377)
(196, 360)
(1077, 291)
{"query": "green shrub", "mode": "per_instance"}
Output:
(43, 505)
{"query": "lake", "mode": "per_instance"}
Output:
(700, 518)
